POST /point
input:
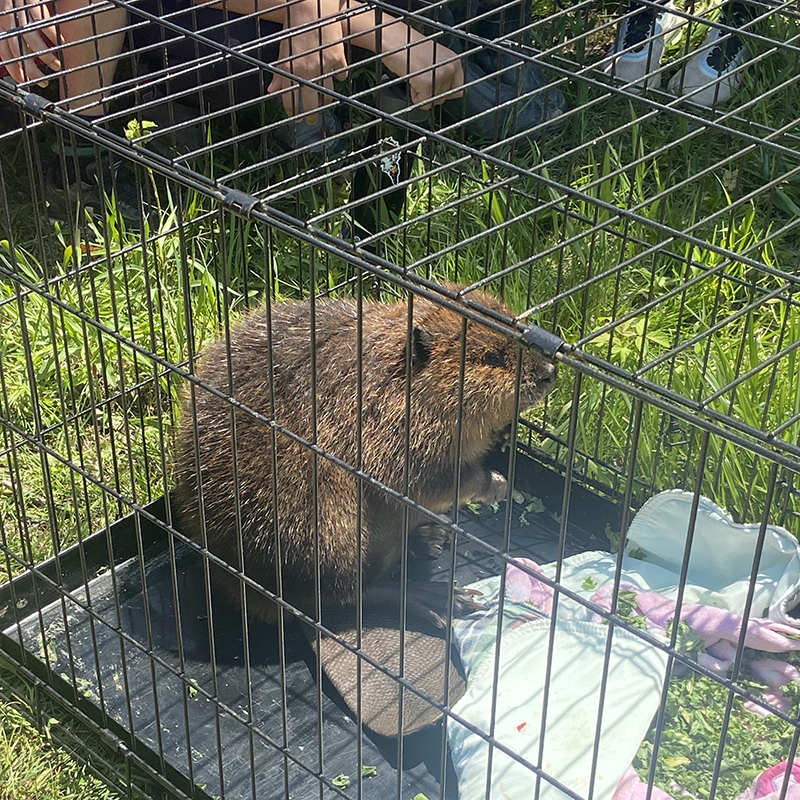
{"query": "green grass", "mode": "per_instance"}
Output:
(222, 262)
(32, 769)
(47, 751)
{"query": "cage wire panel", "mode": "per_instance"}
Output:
(644, 243)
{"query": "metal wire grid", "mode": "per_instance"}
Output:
(104, 755)
(15, 547)
(517, 193)
(759, 285)
(688, 423)
(119, 469)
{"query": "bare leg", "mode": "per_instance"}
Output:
(98, 38)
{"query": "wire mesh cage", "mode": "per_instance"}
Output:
(284, 289)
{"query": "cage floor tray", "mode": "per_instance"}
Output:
(122, 641)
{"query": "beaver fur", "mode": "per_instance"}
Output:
(267, 363)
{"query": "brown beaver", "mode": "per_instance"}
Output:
(325, 524)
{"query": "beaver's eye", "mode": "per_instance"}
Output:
(493, 358)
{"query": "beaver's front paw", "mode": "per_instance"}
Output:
(428, 600)
(464, 602)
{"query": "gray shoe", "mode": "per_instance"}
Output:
(82, 189)
(314, 137)
(497, 106)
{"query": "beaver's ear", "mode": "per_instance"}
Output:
(420, 346)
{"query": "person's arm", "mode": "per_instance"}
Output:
(314, 50)
(405, 51)
(318, 49)
(18, 39)
(84, 39)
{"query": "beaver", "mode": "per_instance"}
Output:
(270, 363)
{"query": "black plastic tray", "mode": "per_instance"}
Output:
(111, 639)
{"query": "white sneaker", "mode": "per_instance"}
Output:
(711, 74)
(640, 44)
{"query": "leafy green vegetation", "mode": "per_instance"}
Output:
(341, 781)
(46, 752)
(696, 720)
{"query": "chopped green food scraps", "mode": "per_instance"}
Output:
(637, 621)
(135, 129)
(530, 504)
(676, 761)
(613, 537)
(792, 693)
(694, 721)
(626, 603)
(341, 781)
(687, 640)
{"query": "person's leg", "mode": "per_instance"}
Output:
(492, 79)
(98, 38)
(80, 172)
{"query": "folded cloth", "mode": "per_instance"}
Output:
(632, 787)
(550, 701)
(721, 561)
(722, 557)
(771, 784)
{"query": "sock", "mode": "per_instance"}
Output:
(81, 152)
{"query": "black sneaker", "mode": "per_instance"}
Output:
(527, 103)
(641, 39)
